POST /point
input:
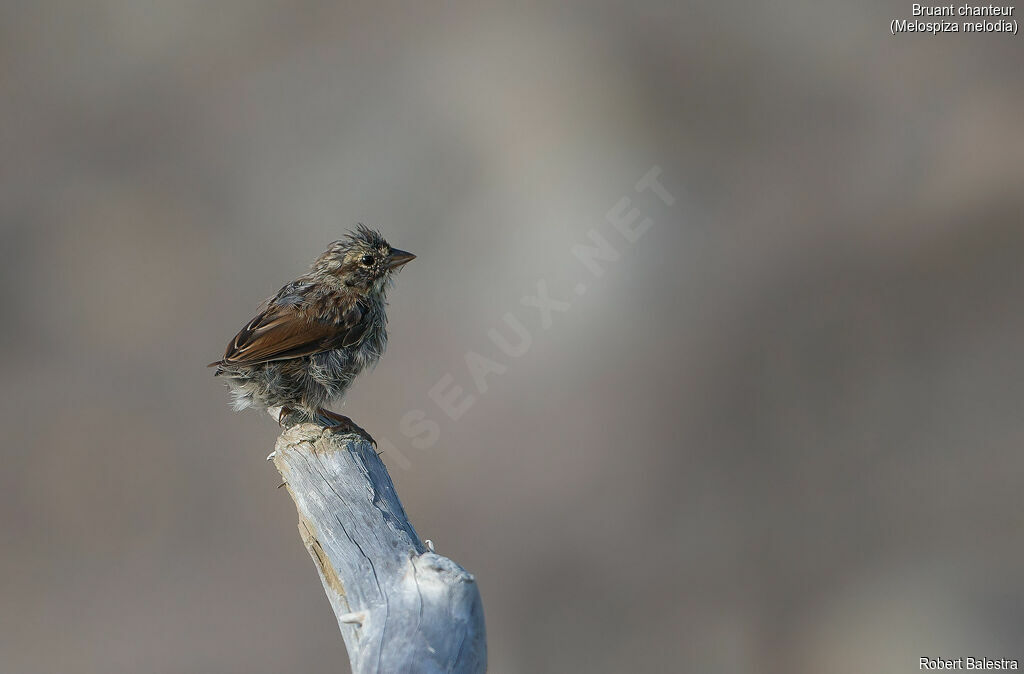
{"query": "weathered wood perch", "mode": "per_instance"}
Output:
(400, 606)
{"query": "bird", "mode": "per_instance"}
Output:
(308, 342)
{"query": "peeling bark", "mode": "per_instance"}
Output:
(400, 606)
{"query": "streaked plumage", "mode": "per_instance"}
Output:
(311, 339)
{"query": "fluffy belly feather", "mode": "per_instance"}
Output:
(303, 384)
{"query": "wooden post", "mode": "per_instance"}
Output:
(400, 606)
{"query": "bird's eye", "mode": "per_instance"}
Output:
(367, 260)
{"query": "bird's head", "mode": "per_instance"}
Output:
(362, 261)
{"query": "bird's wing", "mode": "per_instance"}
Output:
(282, 332)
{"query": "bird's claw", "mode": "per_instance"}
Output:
(339, 423)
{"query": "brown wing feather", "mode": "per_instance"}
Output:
(282, 332)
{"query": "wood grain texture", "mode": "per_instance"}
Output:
(400, 606)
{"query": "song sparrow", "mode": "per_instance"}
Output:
(310, 340)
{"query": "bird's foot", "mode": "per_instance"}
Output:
(341, 424)
(283, 415)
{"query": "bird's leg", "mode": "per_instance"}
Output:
(283, 414)
(342, 424)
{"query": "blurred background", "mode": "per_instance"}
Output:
(780, 433)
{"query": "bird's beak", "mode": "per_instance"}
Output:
(399, 257)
